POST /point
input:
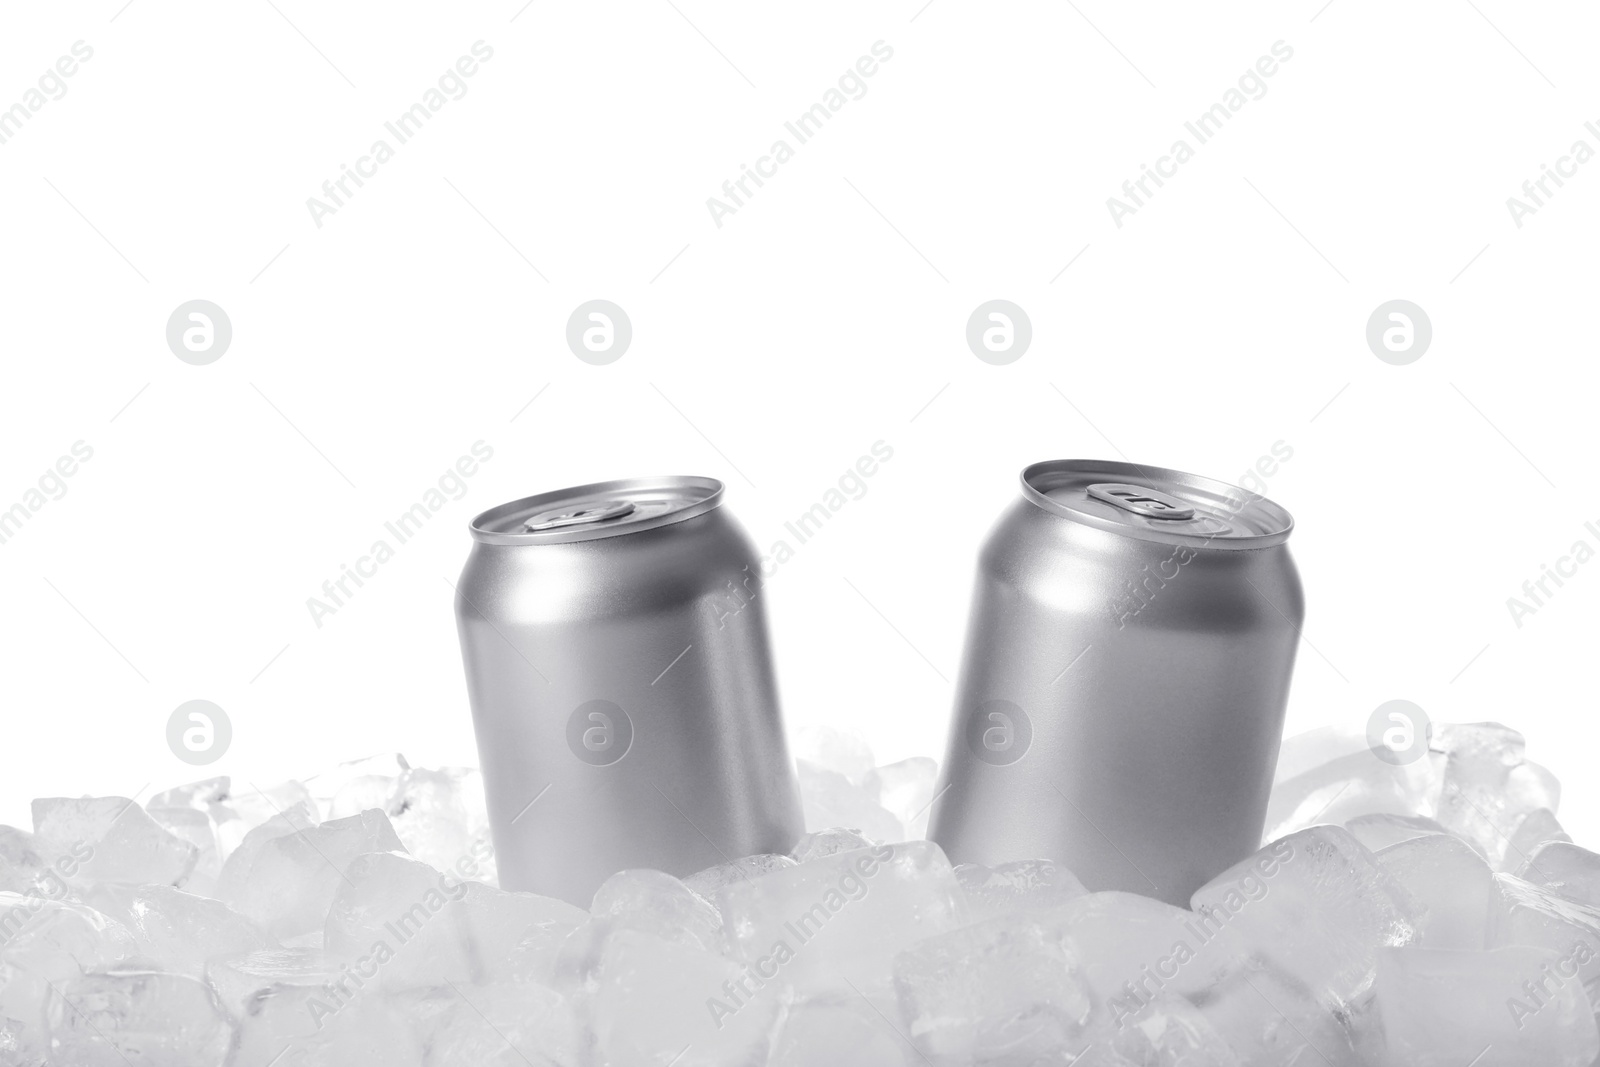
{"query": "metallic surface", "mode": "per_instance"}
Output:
(1123, 687)
(622, 686)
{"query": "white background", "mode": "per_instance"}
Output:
(825, 315)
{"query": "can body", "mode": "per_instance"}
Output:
(622, 688)
(1122, 692)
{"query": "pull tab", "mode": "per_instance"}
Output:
(1148, 503)
(602, 512)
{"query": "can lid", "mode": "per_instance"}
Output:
(1156, 504)
(603, 509)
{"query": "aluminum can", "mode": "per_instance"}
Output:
(1122, 691)
(622, 686)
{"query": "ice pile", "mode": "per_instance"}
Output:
(1419, 915)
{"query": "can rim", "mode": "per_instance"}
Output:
(483, 526)
(1035, 480)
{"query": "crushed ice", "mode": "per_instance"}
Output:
(1433, 913)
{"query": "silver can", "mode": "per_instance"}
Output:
(622, 686)
(1123, 688)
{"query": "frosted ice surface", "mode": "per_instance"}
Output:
(836, 923)
(407, 926)
(1521, 913)
(1022, 885)
(1566, 870)
(1007, 987)
(823, 843)
(1167, 1032)
(1378, 832)
(1134, 949)
(336, 1024)
(829, 799)
(662, 1002)
(27, 862)
(654, 902)
(286, 882)
(840, 1031)
(1488, 1008)
(905, 790)
(506, 1024)
(1450, 882)
(1319, 905)
(174, 930)
(1272, 1019)
(116, 840)
(141, 1017)
(708, 881)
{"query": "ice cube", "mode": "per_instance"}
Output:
(1489, 787)
(829, 799)
(654, 902)
(825, 843)
(174, 930)
(286, 882)
(708, 881)
(505, 1024)
(124, 844)
(195, 827)
(845, 753)
(239, 980)
(1134, 949)
(905, 790)
(29, 863)
(1333, 776)
(1378, 832)
(662, 1002)
(836, 924)
(240, 812)
(840, 1031)
(1269, 1018)
(145, 1017)
(1537, 829)
(1442, 1008)
(1566, 870)
(311, 1016)
(1318, 904)
(356, 785)
(1167, 1032)
(1022, 885)
(400, 921)
(45, 942)
(440, 816)
(1451, 882)
(1007, 987)
(1521, 913)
